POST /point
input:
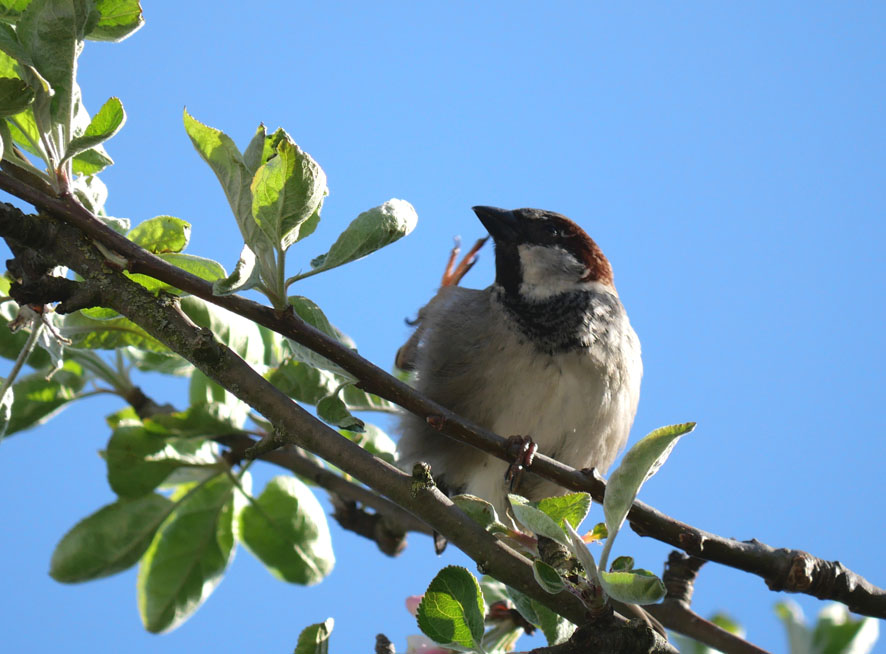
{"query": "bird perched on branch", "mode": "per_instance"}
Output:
(546, 352)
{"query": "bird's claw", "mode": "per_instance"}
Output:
(522, 449)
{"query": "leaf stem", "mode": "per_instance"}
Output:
(303, 275)
(34, 144)
(118, 379)
(37, 325)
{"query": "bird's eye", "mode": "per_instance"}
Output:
(551, 229)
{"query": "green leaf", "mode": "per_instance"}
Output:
(286, 191)
(635, 587)
(331, 409)
(18, 63)
(315, 639)
(622, 564)
(261, 148)
(598, 533)
(9, 67)
(161, 235)
(357, 399)
(547, 577)
(189, 554)
(92, 194)
(51, 32)
(238, 333)
(215, 405)
(368, 232)
(110, 540)
(246, 275)
(303, 382)
(641, 462)
(477, 509)
(25, 133)
(203, 420)
(104, 125)
(91, 162)
(452, 609)
(314, 316)
(38, 399)
(286, 529)
(493, 590)
(273, 346)
(11, 10)
(799, 636)
(581, 552)
(555, 628)
(7, 152)
(536, 521)
(203, 268)
(308, 311)
(85, 332)
(375, 441)
(139, 460)
(837, 633)
(571, 508)
(119, 19)
(164, 363)
(222, 155)
(15, 96)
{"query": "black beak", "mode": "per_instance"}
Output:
(501, 224)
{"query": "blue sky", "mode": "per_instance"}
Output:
(727, 157)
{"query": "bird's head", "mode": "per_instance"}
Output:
(540, 254)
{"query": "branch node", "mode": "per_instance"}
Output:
(206, 348)
(691, 542)
(800, 574)
(421, 478)
(679, 576)
(268, 443)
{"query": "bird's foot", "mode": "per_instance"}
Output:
(455, 272)
(522, 449)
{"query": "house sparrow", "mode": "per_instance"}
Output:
(546, 352)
